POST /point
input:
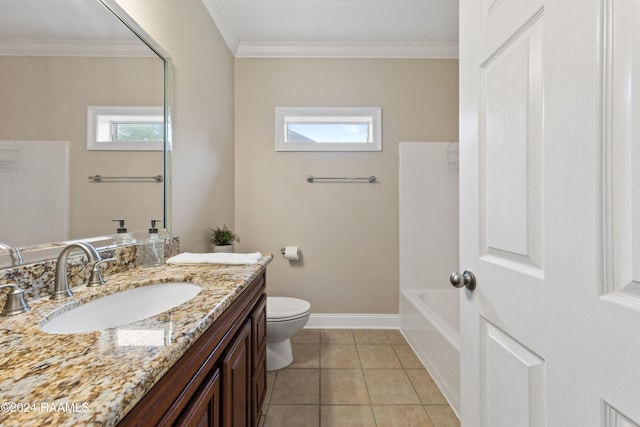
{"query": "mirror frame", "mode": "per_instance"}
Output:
(42, 252)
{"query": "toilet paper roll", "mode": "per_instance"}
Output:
(292, 253)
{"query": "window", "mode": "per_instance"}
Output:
(125, 128)
(328, 129)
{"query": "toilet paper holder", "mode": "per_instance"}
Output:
(283, 251)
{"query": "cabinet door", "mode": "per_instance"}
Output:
(236, 380)
(259, 339)
(259, 332)
(259, 390)
(204, 408)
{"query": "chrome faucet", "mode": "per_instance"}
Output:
(15, 303)
(14, 253)
(61, 286)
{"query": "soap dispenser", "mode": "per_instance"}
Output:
(122, 237)
(153, 248)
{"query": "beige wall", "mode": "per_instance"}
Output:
(203, 153)
(46, 98)
(348, 233)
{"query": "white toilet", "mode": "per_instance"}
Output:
(285, 317)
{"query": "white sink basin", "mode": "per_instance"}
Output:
(122, 308)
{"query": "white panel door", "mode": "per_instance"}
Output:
(550, 212)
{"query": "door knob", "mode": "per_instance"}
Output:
(465, 279)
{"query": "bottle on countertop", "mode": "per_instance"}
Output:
(153, 247)
(122, 237)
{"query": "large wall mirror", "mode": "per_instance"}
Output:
(60, 61)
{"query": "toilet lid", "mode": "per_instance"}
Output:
(285, 307)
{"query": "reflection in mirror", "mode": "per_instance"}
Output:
(57, 58)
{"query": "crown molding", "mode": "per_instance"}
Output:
(243, 49)
(223, 23)
(346, 50)
(74, 48)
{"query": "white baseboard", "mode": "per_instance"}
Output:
(353, 321)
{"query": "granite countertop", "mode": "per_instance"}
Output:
(96, 378)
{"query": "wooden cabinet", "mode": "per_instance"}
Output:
(221, 379)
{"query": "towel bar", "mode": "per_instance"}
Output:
(371, 179)
(100, 178)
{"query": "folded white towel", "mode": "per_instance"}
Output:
(219, 258)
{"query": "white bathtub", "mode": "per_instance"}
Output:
(430, 321)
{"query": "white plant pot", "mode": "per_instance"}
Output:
(225, 248)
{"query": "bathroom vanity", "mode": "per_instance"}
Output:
(201, 363)
(221, 379)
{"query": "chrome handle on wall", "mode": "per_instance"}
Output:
(370, 179)
(100, 178)
(461, 280)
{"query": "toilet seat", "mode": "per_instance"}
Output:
(281, 309)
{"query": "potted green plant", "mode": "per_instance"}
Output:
(223, 239)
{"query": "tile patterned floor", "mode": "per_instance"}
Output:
(352, 378)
